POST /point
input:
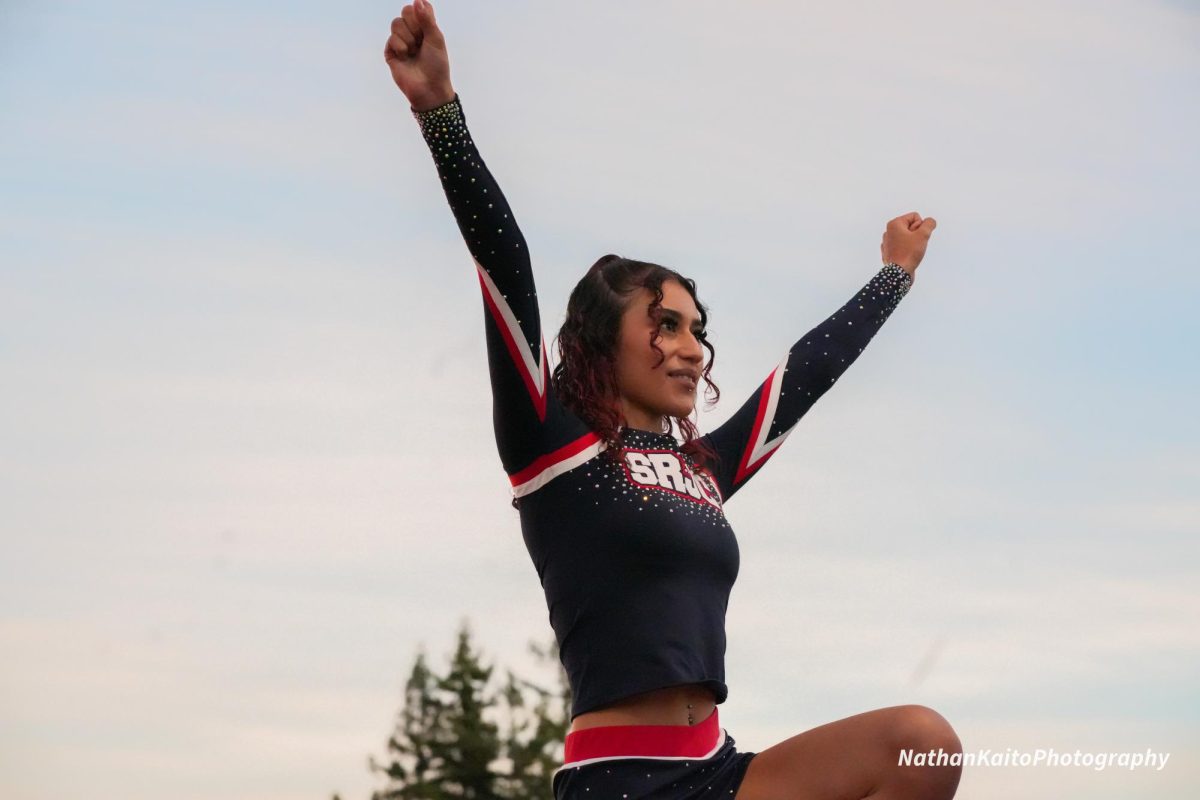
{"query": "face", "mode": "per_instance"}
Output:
(649, 393)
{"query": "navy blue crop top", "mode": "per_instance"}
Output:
(637, 561)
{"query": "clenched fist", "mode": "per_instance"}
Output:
(905, 239)
(416, 54)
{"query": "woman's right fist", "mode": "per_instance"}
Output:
(416, 54)
(905, 239)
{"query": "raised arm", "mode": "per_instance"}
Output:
(746, 440)
(515, 343)
(529, 424)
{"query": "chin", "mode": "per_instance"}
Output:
(683, 411)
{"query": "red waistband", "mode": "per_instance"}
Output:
(663, 741)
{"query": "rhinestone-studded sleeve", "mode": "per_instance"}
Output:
(515, 345)
(746, 440)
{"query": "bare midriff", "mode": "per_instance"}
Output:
(668, 706)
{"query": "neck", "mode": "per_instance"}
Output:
(636, 418)
(657, 431)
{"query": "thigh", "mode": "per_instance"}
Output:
(846, 759)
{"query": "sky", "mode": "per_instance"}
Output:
(247, 455)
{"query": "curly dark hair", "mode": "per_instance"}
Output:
(585, 378)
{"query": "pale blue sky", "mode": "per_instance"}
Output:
(248, 464)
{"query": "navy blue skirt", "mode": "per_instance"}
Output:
(651, 762)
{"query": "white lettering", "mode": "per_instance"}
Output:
(640, 468)
(665, 470)
(1012, 757)
(667, 466)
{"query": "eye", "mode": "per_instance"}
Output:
(669, 323)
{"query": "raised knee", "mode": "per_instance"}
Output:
(920, 729)
(923, 729)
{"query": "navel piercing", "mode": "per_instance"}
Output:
(690, 720)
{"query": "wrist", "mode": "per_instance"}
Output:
(428, 101)
(902, 275)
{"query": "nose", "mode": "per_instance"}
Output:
(691, 350)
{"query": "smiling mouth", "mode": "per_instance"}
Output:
(686, 380)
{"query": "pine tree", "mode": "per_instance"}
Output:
(535, 757)
(444, 749)
(474, 743)
(416, 769)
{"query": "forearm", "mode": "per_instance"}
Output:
(480, 208)
(820, 356)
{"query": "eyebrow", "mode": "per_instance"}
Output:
(670, 312)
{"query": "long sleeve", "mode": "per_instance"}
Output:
(533, 431)
(746, 440)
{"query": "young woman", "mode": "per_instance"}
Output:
(623, 522)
